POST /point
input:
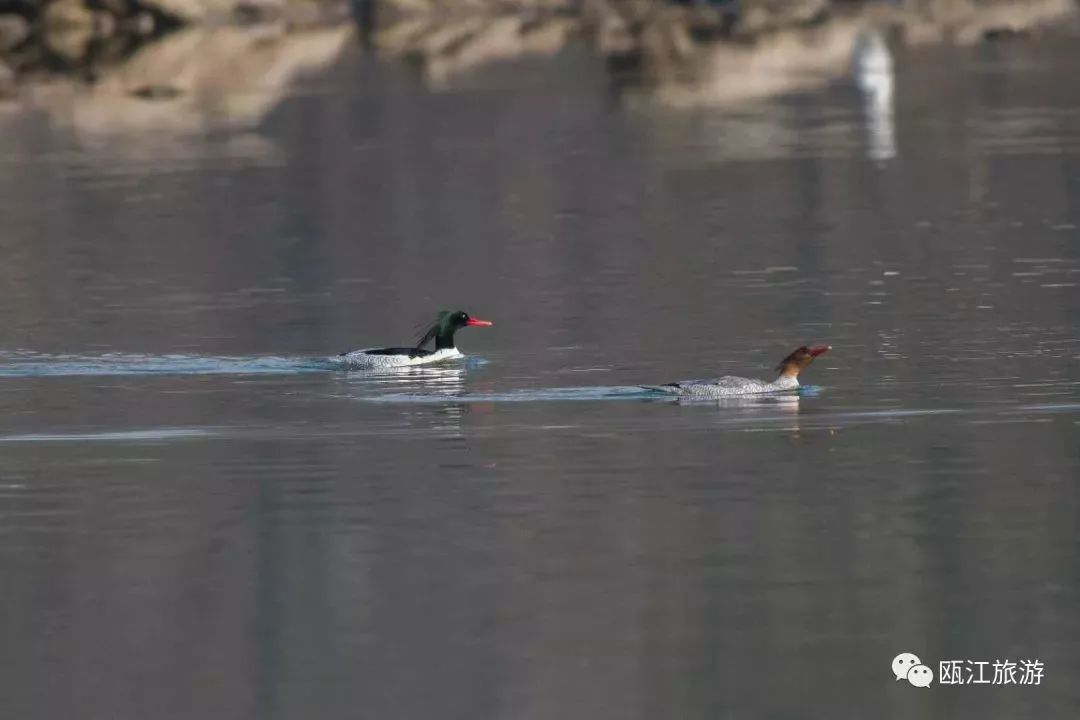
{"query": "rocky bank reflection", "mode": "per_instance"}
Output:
(209, 76)
(196, 79)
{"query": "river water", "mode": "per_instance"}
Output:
(201, 516)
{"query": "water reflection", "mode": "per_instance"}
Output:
(214, 77)
(448, 49)
(757, 412)
(729, 97)
(430, 380)
(680, 73)
(787, 403)
(196, 80)
(873, 69)
(459, 551)
(670, 60)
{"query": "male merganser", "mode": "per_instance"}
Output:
(788, 379)
(442, 332)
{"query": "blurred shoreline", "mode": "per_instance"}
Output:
(186, 64)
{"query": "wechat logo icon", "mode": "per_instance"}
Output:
(908, 666)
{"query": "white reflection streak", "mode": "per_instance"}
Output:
(782, 409)
(872, 66)
(785, 402)
(442, 380)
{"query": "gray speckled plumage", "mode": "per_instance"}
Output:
(727, 386)
(732, 386)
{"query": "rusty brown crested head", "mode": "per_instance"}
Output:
(800, 358)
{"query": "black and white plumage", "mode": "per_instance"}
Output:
(441, 332)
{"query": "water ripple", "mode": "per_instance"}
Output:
(116, 436)
(34, 364)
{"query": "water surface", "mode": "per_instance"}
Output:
(201, 516)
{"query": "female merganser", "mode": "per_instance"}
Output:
(727, 386)
(442, 332)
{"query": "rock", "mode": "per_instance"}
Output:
(14, 29)
(104, 24)
(62, 15)
(194, 11)
(966, 22)
(68, 29)
(754, 17)
(142, 24)
(156, 92)
(7, 81)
